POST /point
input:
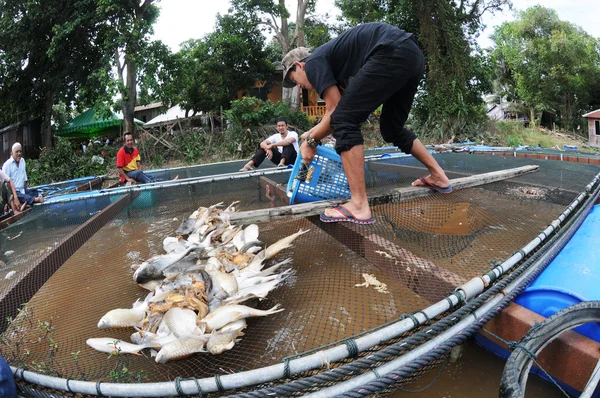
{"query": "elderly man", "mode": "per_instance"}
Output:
(16, 169)
(129, 166)
(8, 195)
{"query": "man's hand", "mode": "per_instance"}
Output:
(131, 180)
(305, 135)
(307, 152)
(16, 203)
(269, 153)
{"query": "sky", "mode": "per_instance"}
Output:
(181, 20)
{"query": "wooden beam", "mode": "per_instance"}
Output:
(276, 189)
(395, 195)
(420, 275)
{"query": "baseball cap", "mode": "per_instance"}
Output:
(297, 54)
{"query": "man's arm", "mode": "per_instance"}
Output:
(125, 177)
(286, 142)
(331, 96)
(139, 165)
(265, 144)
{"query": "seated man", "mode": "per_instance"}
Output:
(129, 166)
(16, 169)
(286, 143)
(8, 196)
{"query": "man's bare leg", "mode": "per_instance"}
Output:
(248, 165)
(354, 167)
(438, 176)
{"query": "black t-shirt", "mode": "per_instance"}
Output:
(340, 59)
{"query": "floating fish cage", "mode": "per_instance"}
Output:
(366, 309)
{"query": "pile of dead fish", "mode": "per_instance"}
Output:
(197, 289)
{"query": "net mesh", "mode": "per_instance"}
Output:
(72, 264)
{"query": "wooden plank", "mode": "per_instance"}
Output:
(418, 274)
(29, 280)
(395, 195)
(5, 222)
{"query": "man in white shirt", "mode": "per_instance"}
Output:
(281, 148)
(8, 195)
(16, 169)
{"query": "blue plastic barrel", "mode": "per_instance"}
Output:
(572, 277)
(8, 388)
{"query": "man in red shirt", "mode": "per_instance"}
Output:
(128, 163)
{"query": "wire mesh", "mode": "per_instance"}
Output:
(421, 249)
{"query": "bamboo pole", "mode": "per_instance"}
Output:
(396, 195)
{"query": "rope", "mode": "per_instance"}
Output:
(432, 382)
(520, 345)
(179, 389)
(352, 347)
(68, 387)
(98, 389)
(424, 314)
(178, 386)
(412, 317)
(219, 384)
(286, 368)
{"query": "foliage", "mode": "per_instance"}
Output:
(251, 112)
(64, 163)
(49, 51)
(548, 65)
(455, 77)
(230, 59)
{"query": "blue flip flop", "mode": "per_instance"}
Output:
(437, 188)
(346, 216)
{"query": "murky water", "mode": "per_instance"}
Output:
(477, 374)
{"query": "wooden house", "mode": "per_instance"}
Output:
(29, 134)
(145, 113)
(593, 127)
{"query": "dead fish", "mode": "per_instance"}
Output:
(260, 290)
(160, 338)
(116, 346)
(240, 324)
(181, 348)
(247, 282)
(186, 227)
(153, 268)
(9, 253)
(220, 342)
(223, 280)
(174, 245)
(181, 322)
(282, 244)
(125, 317)
(231, 313)
(10, 274)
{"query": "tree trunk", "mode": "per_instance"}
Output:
(46, 122)
(130, 95)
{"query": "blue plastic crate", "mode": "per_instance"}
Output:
(328, 179)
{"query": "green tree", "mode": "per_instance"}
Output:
(547, 65)
(455, 75)
(216, 67)
(49, 51)
(130, 26)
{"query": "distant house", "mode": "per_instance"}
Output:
(29, 134)
(593, 127)
(272, 90)
(145, 113)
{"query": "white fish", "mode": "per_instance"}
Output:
(256, 280)
(223, 280)
(251, 233)
(125, 317)
(240, 324)
(181, 322)
(153, 268)
(282, 244)
(116, 346)
(9, 253)
(220, 342)
(174, 245)
(231, 313)
(157, 339)
(181, 348)
(261, 290)
(251, 272)
(10, 274)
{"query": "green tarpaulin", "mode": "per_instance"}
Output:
(91, 124)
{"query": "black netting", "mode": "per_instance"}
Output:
(421, 249)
